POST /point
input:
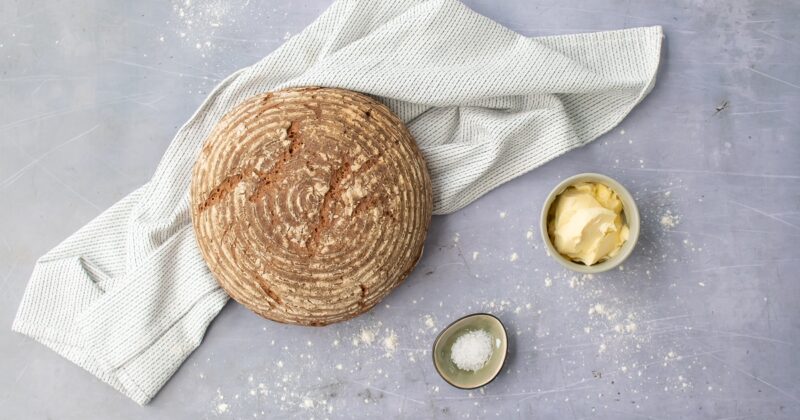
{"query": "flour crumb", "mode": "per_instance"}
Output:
(548, 282)
(669, 220)
(513, 257)
(307, 403)
(475, 255)
(630, 327)
(366, 336)
(529, 234)
(429, 323)
(597, 309)
(502, 215)
(222, 408)
(390, 343)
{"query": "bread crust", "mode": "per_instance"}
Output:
(310, 204)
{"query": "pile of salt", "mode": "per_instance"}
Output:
(472, 350)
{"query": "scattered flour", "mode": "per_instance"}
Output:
(367, 336)
(429, 323)
(198, 21)
(390, 343)
(307, 403)
(669, 220)
(475, 255)
(222, 408)
(513, 257)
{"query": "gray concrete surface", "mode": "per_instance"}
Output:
(702, 322)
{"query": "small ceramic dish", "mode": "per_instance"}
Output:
(444, 342)
(630, 214)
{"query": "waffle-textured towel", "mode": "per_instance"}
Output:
(128, 297)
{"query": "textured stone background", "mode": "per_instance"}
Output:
(702, 322)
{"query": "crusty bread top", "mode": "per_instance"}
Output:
(310, 204)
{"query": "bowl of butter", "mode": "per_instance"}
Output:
(589, 223)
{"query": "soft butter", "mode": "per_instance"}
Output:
(587, 223)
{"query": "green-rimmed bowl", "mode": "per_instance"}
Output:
(444, 342)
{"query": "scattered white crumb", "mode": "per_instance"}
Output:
(429, 322)
(598, 309)
(339, 366)
(701, 284)
(222, 408)
(502, 215)
(669, 220)
(390, 343)
(366, 336)
(529, 234)
(475, 255)
(548, 282)
(307, 403)
(513, 257)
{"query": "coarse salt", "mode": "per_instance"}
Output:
(472, 350)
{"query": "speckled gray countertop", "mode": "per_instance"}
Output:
(703, 321)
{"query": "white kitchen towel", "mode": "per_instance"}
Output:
(128, 297)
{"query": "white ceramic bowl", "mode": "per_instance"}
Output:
(630, 217)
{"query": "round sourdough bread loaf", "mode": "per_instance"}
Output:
(310, 204)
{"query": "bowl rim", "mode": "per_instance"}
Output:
(450, 325)
(631, 217)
